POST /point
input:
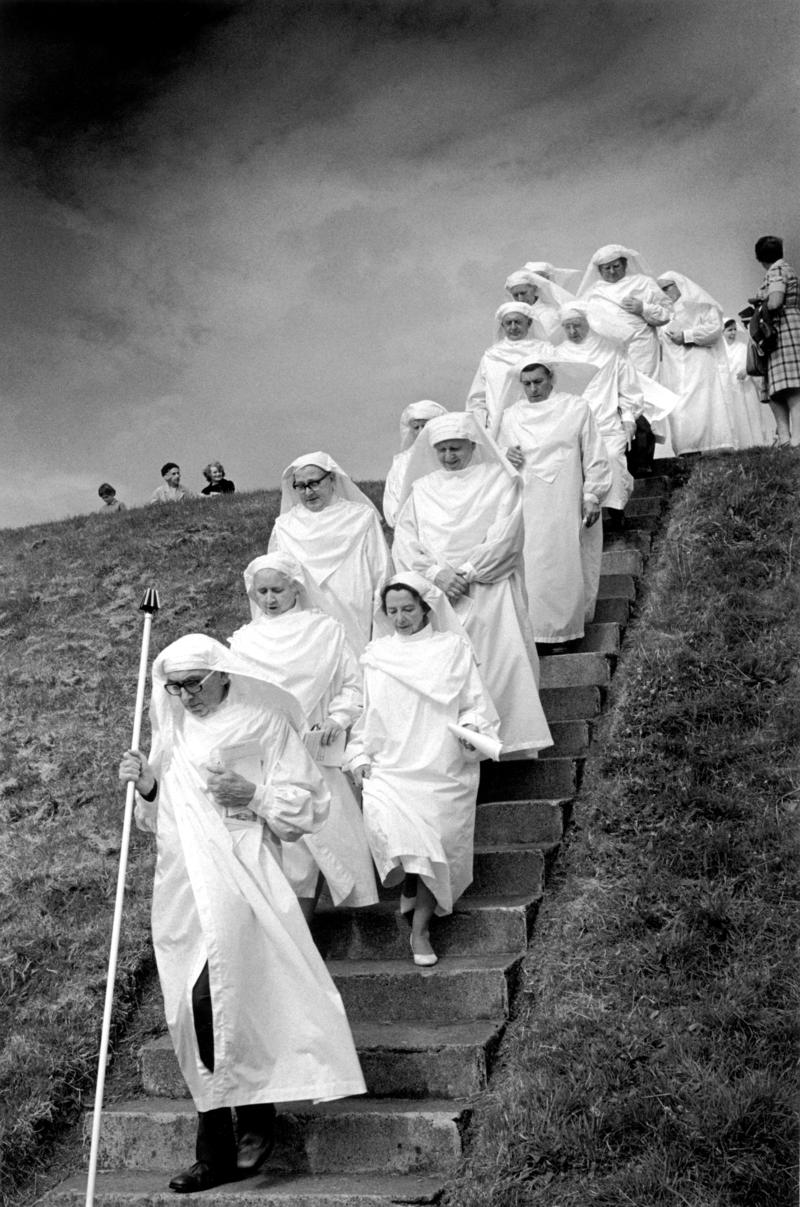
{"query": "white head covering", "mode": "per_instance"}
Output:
(503, 312)
(607, 253)
(550, 293)
(424, 409)
(343, 485)
(741, 335)
(441, 617)
(567, 278)
(569, 376)
(308, 595)
(455, 425)
(196, 651)
(691, 293)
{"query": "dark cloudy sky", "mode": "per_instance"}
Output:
(248, 230)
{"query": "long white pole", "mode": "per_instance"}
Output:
(149, 606)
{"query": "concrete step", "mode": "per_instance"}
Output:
(569, 737)
(412, 1059)
(601, 638)
(645, 505)
(631, 538)
(482, 923)
(532, 779)
(571, 703)
(614, 609)
(617, 586)
(507, 870)
(656, 484)
(457, 989)
(520, 821)
(574, 670)
(124, 1188)
(622, 561)
(353, 1134)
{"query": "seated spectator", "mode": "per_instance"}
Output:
(109, 496)
(218, 484)
(170, 490)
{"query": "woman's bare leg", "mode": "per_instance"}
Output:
(423, 912)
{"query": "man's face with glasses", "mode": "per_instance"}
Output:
(313, 487)
(200, 691)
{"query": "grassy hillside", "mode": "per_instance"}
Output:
(652, 1060)
(71, 630)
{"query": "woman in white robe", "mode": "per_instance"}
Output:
(252, 1012)
(461, 529)
(496, 381)
(419, 779)
(753, 422)
(625, 303)
(412, 421)
(332, 529)
(306, 652)
(695, 366)
(554, 442)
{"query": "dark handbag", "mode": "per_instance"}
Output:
(763, 340)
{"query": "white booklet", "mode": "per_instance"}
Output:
(331, 755)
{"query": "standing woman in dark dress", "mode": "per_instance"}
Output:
(218, 484)
(781, 291)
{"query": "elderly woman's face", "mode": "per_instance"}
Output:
(614, 270)
(200, 691)
(274, 592)
(576, 327)
(537, 384)
(454, 454)
(416, 426)
(671, 290)
(313, 486)
(405, 611)
(524, 293)
(217, 473)
(516, 326)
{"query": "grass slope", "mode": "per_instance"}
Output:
(71, 630)
(651, 1061)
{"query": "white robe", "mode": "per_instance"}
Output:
(307, 654)
(219, 895)
(614, 394)
(699, 373)
(753, 422)
(637, 331)
(565, 462)
(471, 520)
(496, 383)
(419, 799)
(343, 549)
(394, 484)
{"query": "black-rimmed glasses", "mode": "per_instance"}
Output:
(192, 687)
(302, 487)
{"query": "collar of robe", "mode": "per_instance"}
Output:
(548, 432)
(300, 650)
(427, 662)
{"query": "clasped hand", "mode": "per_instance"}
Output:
(228, 788)
(329, 731)
(452, 582)
(632, 305)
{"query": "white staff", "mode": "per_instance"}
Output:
(149, 605)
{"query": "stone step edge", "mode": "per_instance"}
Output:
(154, 1107)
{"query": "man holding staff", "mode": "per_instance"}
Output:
(252, 1012)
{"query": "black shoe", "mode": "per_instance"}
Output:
(256, 1137)
(201, 1177)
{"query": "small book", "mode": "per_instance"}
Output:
(331, 755)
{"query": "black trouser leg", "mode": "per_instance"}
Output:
(204, 1018)
(255, 1125)
(216, 1144)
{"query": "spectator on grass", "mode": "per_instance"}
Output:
(170, 490)
(109, 496)
(218, 484)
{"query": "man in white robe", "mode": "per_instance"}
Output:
(252, 1011)
(625, 303)
(545, 300)
(552, 439)
(496, 381)
(695, 366)
(613, 394)
(461, 528)
(412, 421)
(332, 529)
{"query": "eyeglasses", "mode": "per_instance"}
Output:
(192, 687)
(302, 487)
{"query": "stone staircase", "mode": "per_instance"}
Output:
(426, 1037)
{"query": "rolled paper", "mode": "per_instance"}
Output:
(488, 748)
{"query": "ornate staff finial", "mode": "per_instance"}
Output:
(150, 601)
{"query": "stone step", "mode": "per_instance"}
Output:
(569, 737)
(622, 561)
(600, 638)
(507, 869)
(532, 779)
(457, 989)
(412, 1059)
(482, 923)
(631, 538)
(617, 586)
(392, 1135)
(614, 609)
(571, 703)
(647, 524)
(123, 1188)
(645, 505)
(655, 484)
(520, 821)
(574, 670)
